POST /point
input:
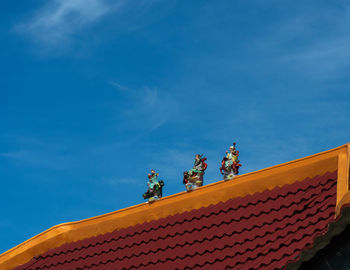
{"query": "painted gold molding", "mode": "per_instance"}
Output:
(250, 183)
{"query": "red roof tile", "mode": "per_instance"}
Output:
(276, 217)
(264, 230)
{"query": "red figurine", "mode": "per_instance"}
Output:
(230, 163)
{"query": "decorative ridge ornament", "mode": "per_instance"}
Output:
(155, 187)
(230, 163)
(194, 177)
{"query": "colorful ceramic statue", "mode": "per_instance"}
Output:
(230, 163)
(194, 177)
(155, 187)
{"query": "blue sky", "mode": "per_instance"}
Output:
(95, 93)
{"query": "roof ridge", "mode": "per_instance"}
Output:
(163, 226)
(189, 243)
(245, 185)
(329, 185)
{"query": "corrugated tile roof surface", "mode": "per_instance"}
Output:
(261, 231)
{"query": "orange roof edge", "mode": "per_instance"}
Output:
(250, 183)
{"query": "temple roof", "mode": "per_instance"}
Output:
(273, 218)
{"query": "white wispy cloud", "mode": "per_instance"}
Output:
(60, 19)
(311, 43)
(152, 108)
(118, 86)
(151, 96)
(39, 158)
(328, 58)
(58, 22)
(147, 108)
(39, 153)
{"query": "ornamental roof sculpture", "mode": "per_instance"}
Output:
(155, 187)
(230, 163)
(273, 218)
(193, 178)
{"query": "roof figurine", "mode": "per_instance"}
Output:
(194, 177)
(155, 187)
(275, 218)
(230, 163)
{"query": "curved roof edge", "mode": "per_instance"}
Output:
(250, 183)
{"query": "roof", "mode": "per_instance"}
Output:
(272, 218)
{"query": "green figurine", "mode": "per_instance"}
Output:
(193, 178)
(155, 187)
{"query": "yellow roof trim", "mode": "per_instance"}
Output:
(250, 183)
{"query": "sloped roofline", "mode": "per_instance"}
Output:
(337, 159)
